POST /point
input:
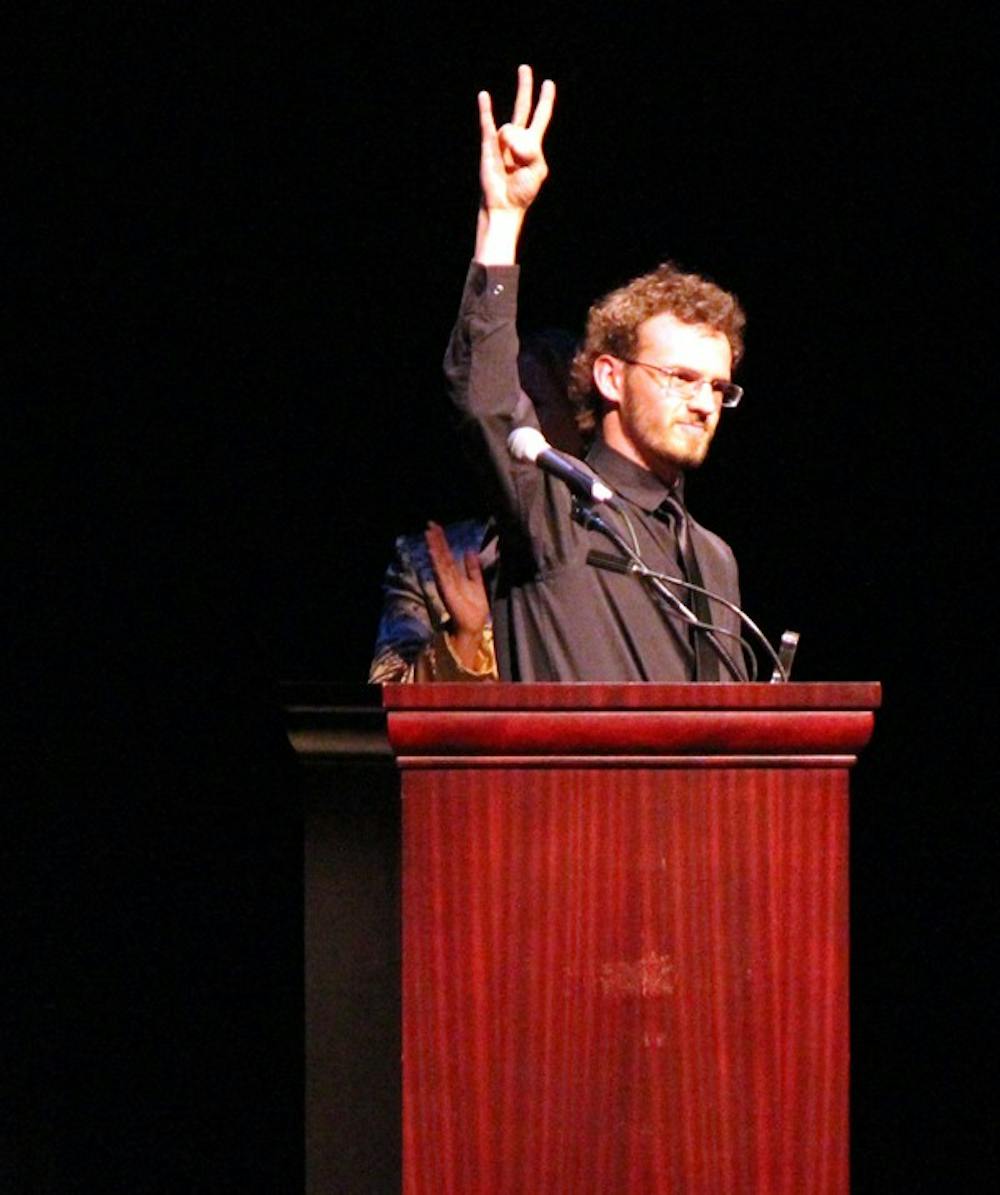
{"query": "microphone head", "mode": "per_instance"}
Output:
(525, 443)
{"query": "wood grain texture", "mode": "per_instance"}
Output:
(626, 972)
(533, 762)
(854, 695)
(628, 987)
(604, 732)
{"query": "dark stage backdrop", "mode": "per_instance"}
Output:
(240, 250)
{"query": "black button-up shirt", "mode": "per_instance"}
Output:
(556, 617)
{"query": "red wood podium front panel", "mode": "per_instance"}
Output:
(624, 954)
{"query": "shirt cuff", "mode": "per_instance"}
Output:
(493, 289)
(438, 661)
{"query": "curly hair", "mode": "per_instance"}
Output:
(613, 325)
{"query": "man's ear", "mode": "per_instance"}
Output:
(609, 378)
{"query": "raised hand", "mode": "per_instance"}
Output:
(463, 592)
(512, 166)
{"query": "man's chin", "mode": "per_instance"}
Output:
(667, 465)
(694, 462)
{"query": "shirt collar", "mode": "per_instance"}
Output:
(632, 481)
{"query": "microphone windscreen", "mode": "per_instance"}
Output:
(525, 443)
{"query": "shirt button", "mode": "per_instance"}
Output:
(498, 288)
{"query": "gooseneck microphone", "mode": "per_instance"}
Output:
(655, 583)
(528, 444)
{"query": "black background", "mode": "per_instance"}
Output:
(237, 247)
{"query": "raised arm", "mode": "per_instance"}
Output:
(512, 168)
(481, 361)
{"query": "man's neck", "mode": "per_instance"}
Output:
(614, 436)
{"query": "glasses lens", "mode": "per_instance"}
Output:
(688, 382)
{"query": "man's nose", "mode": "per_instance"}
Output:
(703, 399)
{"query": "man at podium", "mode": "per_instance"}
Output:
(628, 588)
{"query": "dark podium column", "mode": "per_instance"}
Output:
(352, 983)
(625, 944)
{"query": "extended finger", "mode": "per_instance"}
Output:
(486, 121)
(522, 100)
(473, 566)
(489, 147)
(434, 537)
(437, 547)
(543, 109)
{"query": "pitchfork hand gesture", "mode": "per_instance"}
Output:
(512, 167)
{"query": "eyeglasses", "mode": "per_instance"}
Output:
(687, 382)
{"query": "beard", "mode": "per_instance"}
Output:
(668, 441)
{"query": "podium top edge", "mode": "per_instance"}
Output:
(501, 695)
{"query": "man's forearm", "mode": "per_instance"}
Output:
(497, 235)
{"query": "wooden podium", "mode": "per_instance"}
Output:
(625, 936)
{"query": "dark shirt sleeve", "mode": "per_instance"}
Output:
(481, 373)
